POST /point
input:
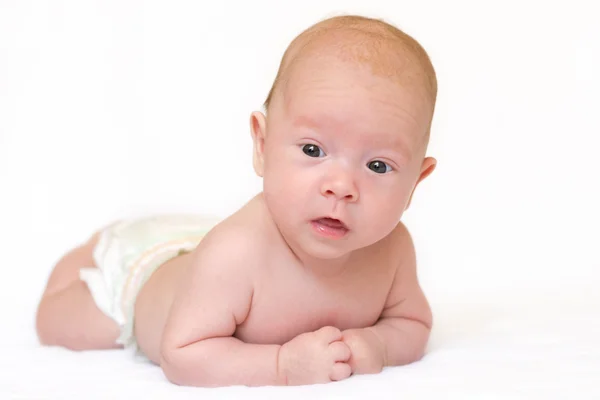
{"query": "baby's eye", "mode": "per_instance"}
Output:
(379, 166)
(313, 150)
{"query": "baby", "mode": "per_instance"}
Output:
(312, 280)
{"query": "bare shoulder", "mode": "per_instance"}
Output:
(398, 247)
(401, 236)
(235, 245)
(406, 298)
(218, 284)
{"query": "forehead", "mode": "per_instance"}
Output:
(341, 97)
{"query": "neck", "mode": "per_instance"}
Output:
(322, 268)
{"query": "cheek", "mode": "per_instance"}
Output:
(383, 206)
(287, 185)
(292, 172)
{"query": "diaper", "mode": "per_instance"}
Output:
(126, 255)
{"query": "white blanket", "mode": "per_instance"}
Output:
(544, 344)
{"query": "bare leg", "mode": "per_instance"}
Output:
(67, 315)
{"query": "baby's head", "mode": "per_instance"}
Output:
(345, 134)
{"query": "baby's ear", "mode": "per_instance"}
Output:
(427, 167)
(258, 129)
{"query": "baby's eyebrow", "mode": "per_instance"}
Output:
(303, 120)
(394, 142)
(398, 144)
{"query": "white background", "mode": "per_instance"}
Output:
(111, 109)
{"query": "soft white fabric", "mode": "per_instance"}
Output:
(542, 344)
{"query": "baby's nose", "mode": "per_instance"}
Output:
(341, 186)
(350, 197)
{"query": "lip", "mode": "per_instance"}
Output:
(336, 229)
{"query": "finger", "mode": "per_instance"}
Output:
(329, 333)
(340, 371)
(339, 351)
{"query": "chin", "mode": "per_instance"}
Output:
(325, 253)
(324, 250)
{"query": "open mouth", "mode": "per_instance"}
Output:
(330, 227)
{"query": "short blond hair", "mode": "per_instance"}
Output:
(386, 49)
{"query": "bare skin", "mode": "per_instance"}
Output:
(312, 280)
(280, 288)
(285, 301)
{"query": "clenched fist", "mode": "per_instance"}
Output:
(315, 357)
(368, 352)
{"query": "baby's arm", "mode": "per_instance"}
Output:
(197, 345)
(400, 335)
(216, 295)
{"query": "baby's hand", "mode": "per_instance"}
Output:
(368, 353)
(315, 357)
